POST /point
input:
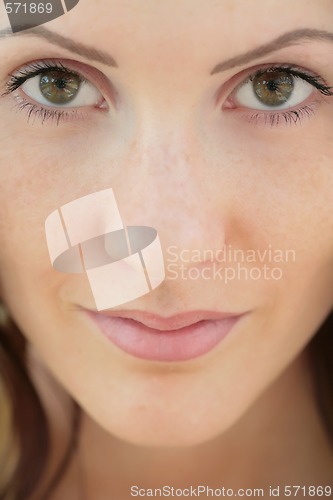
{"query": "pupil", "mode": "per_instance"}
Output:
(61, 83)
(272, 86)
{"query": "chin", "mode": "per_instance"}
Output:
(164, 438)
(164, 429)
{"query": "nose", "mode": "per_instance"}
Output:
(169, 188)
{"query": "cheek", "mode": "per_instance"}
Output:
(29, 195)
(285, 200)
(279, 183)
(279, 207)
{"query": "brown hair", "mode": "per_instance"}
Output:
(28, 438)
(321, 357)
(24, 429)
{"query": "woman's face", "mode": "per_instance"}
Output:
(204, 160)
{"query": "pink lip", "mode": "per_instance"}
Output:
(175, 338)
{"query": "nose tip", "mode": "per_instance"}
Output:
(187, 221)
(192, 223)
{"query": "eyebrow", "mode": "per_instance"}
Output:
(285, 40)
(64, 42)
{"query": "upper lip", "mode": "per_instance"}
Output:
(174, 322)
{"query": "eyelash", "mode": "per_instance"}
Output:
(36, 69)
(290, 116)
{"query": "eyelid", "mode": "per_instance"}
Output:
(93, 75)
(275, 116)
(244, 76)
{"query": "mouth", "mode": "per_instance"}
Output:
(153, 337)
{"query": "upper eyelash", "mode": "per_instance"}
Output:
(312, 78)
(30, 71)
(290, 116)
(38, 68)
(35, 69)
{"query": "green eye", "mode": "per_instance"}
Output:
(273, 88)
(59, 87)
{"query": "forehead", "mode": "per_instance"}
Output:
(168, 20)
(178, 32)
(181, 31)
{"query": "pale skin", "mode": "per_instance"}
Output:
(203, 175)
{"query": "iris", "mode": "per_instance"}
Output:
(273, 88)
(59, 87)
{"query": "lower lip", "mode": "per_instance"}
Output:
(173, 345)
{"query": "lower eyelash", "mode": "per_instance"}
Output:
(291, 117)
(44, 114)
(37, 110)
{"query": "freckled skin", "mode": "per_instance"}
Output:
(201, 176)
